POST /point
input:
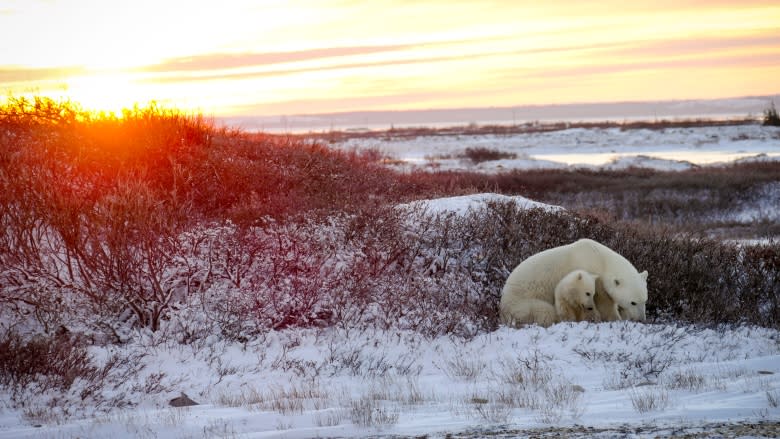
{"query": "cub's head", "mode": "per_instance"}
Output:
(629, 293)
(582, 288)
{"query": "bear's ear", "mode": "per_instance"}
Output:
(579, 276)
(617, 281)
(643, 275)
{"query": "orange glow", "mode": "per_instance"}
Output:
(306, 56)
(103, 91)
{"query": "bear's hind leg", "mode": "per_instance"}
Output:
(529, 311)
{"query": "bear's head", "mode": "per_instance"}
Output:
(584, 286)
(629, 293)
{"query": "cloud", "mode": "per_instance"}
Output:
(742, 61)
(219, 61)
(292, 71)
(24, 74)
(637, 55)
(758, 49)
(701, 45)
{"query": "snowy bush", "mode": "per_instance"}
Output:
(649, 400)
(436, 273)
(52, 362)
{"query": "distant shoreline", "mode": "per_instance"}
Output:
(474, 129)
(748, 107)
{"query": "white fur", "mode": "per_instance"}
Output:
(574, 297)
(607, 308)
(533, 311)
(621, 291)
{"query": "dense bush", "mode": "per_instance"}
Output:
(691, 279)
(93, 206)
(636, 192)
(161, 221)
(90, 206)
(479, 154)
(771, 117)
(437, 273)
(701, 199)
(52, 362)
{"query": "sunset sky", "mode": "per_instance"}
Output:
(298, 57)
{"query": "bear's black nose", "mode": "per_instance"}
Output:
(590, 309)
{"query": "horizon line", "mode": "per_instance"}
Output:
(768, 97)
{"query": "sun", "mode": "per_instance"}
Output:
(104, 90)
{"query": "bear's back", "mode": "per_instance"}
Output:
(537, 276)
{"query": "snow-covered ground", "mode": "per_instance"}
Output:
(611, 148)
(335, 382)
(343, 382)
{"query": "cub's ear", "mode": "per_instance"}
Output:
(579, 276)
(643, 275)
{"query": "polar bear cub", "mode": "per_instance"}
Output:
(575, 295)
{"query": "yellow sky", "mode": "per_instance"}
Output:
(314, 56)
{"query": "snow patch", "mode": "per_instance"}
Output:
(647, 162)
(461, 205)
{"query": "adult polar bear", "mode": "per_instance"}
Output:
(621, 291)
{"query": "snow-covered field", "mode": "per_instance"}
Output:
(334, 382)
(610, 148)
(344, 382)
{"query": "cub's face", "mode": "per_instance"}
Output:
(587, 292)
(630, 295)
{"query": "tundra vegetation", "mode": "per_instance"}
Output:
(158, 222)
